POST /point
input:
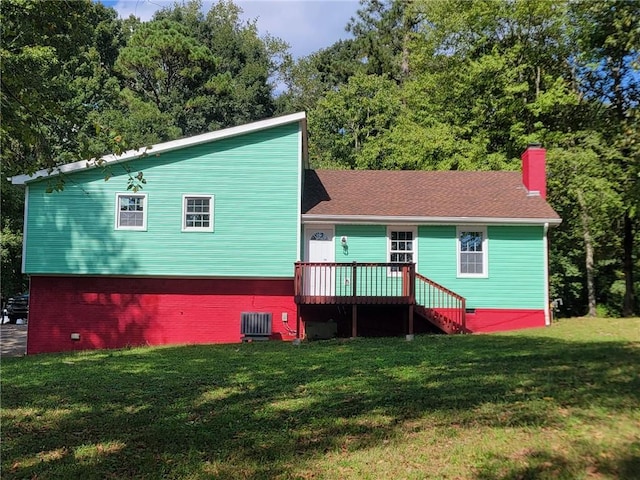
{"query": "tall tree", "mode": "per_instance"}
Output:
(206, 70)
(310, 78)
(345, 120)
(609, 71)
(383, 32)
(43, 48)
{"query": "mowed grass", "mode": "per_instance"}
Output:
(558, 402)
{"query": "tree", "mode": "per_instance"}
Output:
(345, 120)
(609, 71)
(205, 71)
(43, 45)
(311, 77)
(583, 190)
(383, 32)
(163, 64)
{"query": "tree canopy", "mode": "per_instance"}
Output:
(421, 84)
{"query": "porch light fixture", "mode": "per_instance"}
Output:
(345, 246)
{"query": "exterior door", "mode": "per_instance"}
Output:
(320, 248)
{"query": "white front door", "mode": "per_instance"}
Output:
(320, 248)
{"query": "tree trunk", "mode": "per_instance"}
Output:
(628, 306)
(588, 251)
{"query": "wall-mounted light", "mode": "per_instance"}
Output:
(345, 245)
(343, 241)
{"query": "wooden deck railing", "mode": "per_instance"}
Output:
(354, 283)
(329, 283)
(441, 306)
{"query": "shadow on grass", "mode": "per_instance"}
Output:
(262, 410)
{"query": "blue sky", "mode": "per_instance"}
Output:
(306, 25)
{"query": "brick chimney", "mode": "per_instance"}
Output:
(534, 176)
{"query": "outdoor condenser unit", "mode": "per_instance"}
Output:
(255, 326)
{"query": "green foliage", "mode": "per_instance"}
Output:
(42, 50)
(11, 254)
(348, 118)
(478, 81)
(423, 84)
(310, 78)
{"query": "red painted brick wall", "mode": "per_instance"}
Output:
(494, 320)
(120, 312)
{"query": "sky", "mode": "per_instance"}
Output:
(306, 25)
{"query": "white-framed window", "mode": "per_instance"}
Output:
(131, 211)
(197, 213)
(401, 246)
(472, 249)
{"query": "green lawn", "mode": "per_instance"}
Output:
(558, 402)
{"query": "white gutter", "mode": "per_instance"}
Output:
(160, 148)
(411, 220)
(545, 256)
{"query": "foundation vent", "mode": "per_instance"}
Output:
(255, 326)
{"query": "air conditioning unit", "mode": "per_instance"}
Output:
(255, 326)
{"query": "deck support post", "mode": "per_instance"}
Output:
(354, 321)
(298, 321)
(410, 321)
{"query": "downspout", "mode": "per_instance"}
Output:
(547, 305)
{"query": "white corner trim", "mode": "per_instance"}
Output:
(24, 231)
(300, 180)
(545, 257)
(165, 147)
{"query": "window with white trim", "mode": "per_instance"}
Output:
(472, 252)
(197, 213)
(401, 246)
(131, 211)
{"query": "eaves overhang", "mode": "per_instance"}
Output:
(413, 220)
(160, 148)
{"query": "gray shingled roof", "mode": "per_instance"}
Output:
(443, 194)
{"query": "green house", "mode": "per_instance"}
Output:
(234, 238)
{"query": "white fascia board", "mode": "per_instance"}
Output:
(161, 147)
(409, 220)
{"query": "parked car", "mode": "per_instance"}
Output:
(18, 307)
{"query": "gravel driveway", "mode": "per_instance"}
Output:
(13, 340)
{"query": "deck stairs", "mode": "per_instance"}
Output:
(440, 306)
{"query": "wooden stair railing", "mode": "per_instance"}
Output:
(440, 306)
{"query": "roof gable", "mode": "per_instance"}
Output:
(484, 196)
(164, 147)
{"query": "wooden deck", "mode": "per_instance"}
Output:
(354, 284)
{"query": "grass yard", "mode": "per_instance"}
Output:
(553, 403)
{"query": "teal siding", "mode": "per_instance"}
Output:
(515, 254)
(516, 266)
(366, 243)
(254, 179)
